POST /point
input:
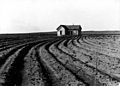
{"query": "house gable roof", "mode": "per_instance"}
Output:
(70, 27)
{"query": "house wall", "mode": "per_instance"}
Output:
(62, 30)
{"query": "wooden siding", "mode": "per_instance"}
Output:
(61, 31)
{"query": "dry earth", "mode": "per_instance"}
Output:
(88, 60)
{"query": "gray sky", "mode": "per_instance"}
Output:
(47, 15)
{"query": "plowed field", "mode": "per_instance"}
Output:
(88, 60)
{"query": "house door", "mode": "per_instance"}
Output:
(60, 32)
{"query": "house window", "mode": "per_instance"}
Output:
(75, 32)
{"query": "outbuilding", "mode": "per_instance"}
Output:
(69, 30)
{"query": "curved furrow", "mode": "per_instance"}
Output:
(85, 40)
(112, 59)
(46, 73)
(104, 62)
(105, 40)
(5, 48)
(6, 53)
(84, 44)
(92, 40)
(57, 61)
(66, 49)
(19, 42)
(49, 65)
(33, 72)
(101, 73)
(107, 43)
(11, 70)
(13, 43)
(57, 72)
(9, 53)
(62, 46)
(74, 53)
(68, 62)
(9, 46)
(102, 49)
(71, 64)
(81, 44)
(13, 76)
(66, 41)
(6, 66)
(113, 44)
(92, 52)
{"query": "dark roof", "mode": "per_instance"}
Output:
(70, 27)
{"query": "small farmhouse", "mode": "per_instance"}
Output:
(69, 30)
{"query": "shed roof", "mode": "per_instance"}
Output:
(71, 27)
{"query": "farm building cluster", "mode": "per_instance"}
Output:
(63, 30)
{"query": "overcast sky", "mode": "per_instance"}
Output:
(47, 15)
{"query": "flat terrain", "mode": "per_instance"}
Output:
(43, 59)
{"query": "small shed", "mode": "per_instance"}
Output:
(69, 30)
